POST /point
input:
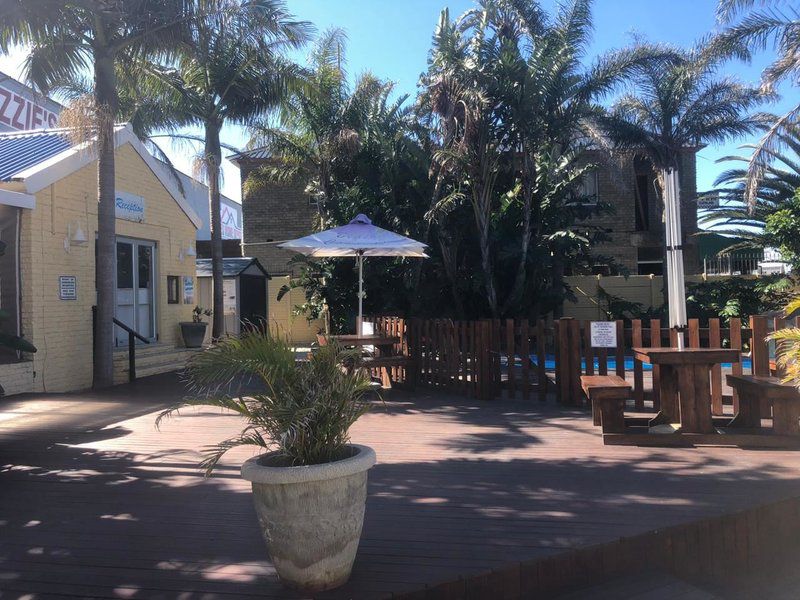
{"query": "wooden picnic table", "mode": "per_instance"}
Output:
(684, 384)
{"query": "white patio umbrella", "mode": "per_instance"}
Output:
(359, 238)
(676, 289)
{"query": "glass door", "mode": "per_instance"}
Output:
(135, 297)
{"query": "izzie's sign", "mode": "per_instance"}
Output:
(129, 207)
(20, 113)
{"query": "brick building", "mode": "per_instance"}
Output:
(48, 224)
(636, 226)
(636, 229)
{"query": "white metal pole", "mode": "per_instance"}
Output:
(675, 273)
(360, 320)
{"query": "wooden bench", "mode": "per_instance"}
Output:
(784, 398)
(607, 394)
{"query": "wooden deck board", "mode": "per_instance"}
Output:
(94, 501)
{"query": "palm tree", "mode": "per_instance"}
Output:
(319, 128)
(229, 70)
(506, 87)
(756, 27)
(680, 104)
(743, 218)
(65, 38)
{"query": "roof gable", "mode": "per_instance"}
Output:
(49, 160)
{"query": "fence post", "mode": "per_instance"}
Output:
(564, 366)
(511, 353)
(655, 342)
(588, 355)
(736, 343)
(759, 354)
(619, 359)
(541, 365)
(715, 341)
(576, 393)
(638, 372)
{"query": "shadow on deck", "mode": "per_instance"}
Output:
(499, 499)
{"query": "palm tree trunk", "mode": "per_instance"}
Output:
(106, 106)
(527, 230)
(213, 156)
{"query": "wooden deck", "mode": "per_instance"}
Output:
(95, 502)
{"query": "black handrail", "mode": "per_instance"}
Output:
(132, 337)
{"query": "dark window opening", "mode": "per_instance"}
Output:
(650, 261)
(124, 266)
(173, 289)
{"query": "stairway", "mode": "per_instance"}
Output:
(151, 359)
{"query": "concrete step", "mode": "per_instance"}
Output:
(160, 358)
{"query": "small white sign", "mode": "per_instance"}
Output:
(188, 289)
(68, 287)
(129, 207)
(604, 334)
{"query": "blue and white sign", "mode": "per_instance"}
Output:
(129, 207)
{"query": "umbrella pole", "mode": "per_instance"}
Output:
(360, 319)
(675, 272)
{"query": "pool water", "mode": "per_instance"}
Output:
(550, 363)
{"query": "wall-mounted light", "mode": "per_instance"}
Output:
(190, 251)
(76, 237)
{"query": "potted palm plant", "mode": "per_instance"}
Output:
(310, 483)
(194, 331)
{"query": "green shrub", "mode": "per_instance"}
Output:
(302, 410)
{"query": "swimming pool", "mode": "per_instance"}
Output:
(550, 363)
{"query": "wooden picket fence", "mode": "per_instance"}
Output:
(490, 358)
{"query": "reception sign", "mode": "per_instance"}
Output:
(129, 207)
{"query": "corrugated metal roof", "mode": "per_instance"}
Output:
(231, 267)
(20, 151)
(256, 154)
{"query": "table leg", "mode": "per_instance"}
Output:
(785, 416)
(695, 399)
(749, 414)
(668, 396)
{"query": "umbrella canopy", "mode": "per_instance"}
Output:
(359, 238)
(676, 289)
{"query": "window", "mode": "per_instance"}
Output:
(586, 194)
(173, 289)
(649, 261)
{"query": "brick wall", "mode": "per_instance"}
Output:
(62, 329)
(616, 180)
(275, 213)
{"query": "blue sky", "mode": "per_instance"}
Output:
(391, 38)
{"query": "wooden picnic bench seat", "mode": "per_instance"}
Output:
(784, 398)
(607, 394)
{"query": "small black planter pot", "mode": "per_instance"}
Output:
(193, 334)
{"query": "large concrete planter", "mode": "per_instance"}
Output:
(311, 517)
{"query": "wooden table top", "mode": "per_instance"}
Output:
(366, 340)
(686, 356)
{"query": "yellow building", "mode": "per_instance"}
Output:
(48, 220)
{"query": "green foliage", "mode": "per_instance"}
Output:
(782, 231)
(737, 296)
(302, 410)
(787, 349)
